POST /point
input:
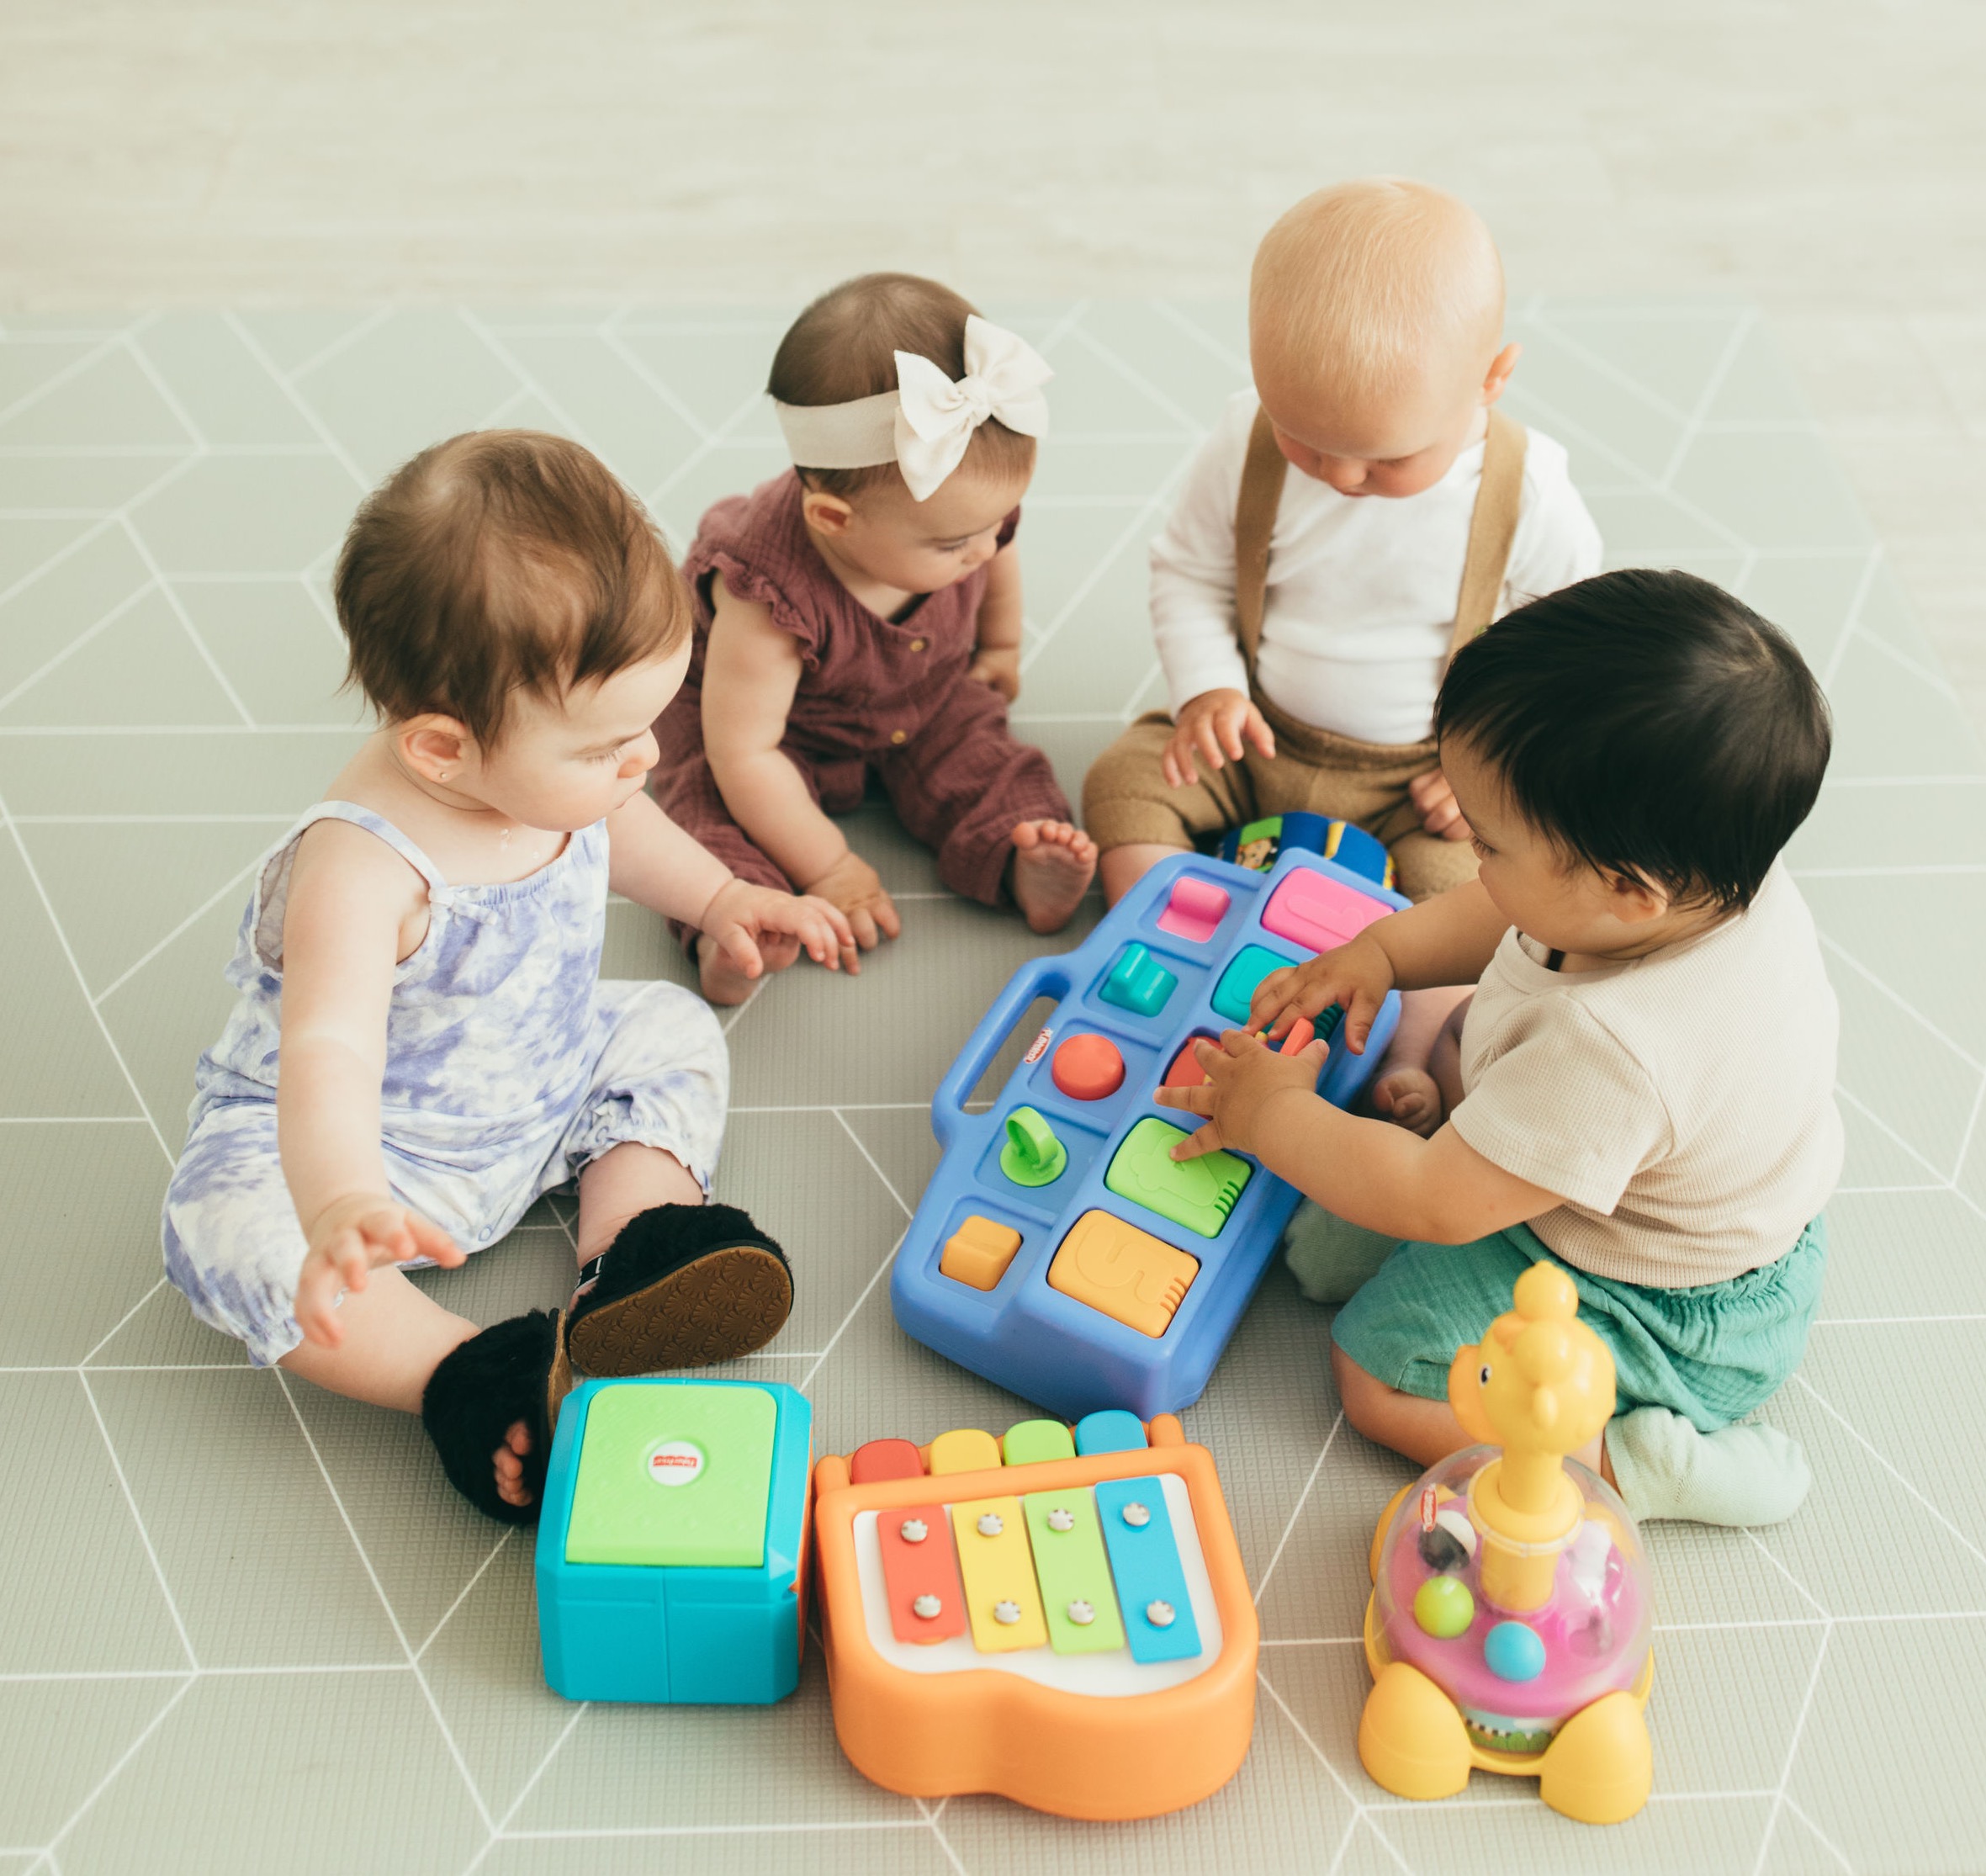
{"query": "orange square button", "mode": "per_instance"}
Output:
(979, 1252)
(1127, 1273)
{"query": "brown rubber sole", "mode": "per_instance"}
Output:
(716, 1307)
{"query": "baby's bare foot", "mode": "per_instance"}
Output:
(509, 1461)
(1409, 1098)
(1053, 865)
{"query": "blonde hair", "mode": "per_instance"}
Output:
(1375, 288)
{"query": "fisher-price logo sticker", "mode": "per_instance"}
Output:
(674, 1462)
(1038, 1048)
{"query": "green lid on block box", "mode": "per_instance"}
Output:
(674, 1474)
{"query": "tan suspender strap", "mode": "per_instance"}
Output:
(1492, 528)
(1254, 521)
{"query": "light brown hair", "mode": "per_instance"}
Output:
(844, 346)
(500, 561)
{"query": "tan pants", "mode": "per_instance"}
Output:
(1125, 799)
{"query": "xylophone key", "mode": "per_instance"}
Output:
(1073, 1573)
(1158, 1620)
(964, 1450)
(884, 1459)
(1002, 1599)
(1033, 1442)
(1109, 1430)
(920, 1574)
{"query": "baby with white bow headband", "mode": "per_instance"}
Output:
(861, 614)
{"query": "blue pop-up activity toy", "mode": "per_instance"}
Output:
(1059, 1249)
(672, 1548)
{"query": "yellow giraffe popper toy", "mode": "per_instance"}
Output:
(1508, 1627)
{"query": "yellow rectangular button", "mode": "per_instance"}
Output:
(998, 1568)
(1110, 1264)
(964, 1450)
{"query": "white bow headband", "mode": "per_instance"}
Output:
(925, 425)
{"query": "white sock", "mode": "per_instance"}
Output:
(1330, 1258)
(1742, 1474)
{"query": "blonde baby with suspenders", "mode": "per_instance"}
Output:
(1304, 623)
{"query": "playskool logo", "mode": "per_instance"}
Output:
(674, 1462)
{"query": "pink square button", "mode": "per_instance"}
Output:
(1317, 913)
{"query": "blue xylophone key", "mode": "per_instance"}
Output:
(1158, 1623)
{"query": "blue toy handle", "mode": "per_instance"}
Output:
(1039, 977)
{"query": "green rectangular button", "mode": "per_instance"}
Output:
(674, 1474)
(1073, 1572)
(1198, 1194)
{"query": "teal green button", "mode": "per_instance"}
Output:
(674, 1475)
(1138, 982)
(1251, 964)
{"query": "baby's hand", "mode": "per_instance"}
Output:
(999, 667)
(353, 1237)
(1355, 977)
(1435, 802)
(1213, 725)
(1244, 1075)
(854, 887)
(741, 914)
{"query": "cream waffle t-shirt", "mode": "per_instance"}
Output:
(1681, 1104)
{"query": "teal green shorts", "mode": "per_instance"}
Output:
(1710, 1353)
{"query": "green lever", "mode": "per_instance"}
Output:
(1032, 1156)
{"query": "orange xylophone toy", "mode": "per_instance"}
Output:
(1060, 1616)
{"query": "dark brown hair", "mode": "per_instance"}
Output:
(498, 561)
(844, 346)
(1647, 723)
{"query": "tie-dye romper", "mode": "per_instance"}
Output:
(509, 1067)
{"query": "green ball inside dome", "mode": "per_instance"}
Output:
(1443, 1606)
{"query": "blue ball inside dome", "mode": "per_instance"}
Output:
(1512, 1652)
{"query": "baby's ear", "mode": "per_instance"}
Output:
(825, 513)
(1501, 366)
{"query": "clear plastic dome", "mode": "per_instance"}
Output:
(1519, 1634)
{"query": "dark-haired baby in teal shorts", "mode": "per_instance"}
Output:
(1641, 1087)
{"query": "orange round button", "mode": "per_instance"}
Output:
(918, 644)
(899, 736)
(1087, 1067)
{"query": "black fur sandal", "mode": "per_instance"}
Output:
(682, 1287)
(515, 1370)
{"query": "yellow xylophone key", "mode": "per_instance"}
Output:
(998, 1568)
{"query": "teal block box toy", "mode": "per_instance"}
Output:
(672, 1548)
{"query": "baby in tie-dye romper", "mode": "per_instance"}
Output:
(420, 1045)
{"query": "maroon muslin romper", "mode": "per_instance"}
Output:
(887, 695)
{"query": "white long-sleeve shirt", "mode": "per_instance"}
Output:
(1362, 589)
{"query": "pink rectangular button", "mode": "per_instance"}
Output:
(1309, 909)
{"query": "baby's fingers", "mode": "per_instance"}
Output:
(1361, 1012)
(1268, 1005)
(1207, 742)
(1178, 762)
(744, 953)
(1256, 730)
(1198, 1100)
(885, 910)
(1229, 722)
(1207, 1140)
(431, 1241)
(826, 921)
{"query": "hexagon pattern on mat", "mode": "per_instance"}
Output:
(250, 1628)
